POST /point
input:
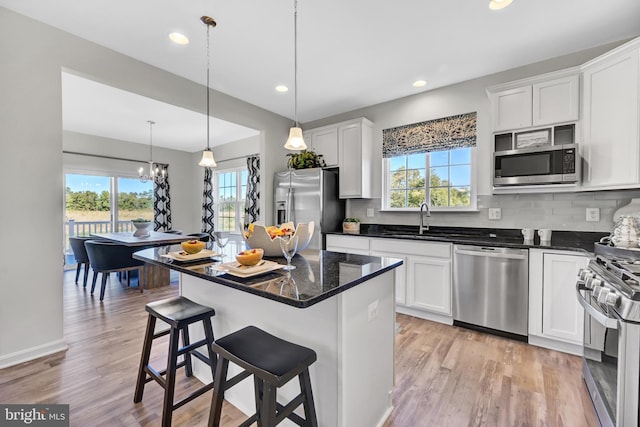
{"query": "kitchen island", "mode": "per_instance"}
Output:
(340, 305)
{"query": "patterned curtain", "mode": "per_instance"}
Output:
(434, 135)
(162, 203)
(252, 202)
(208, 208)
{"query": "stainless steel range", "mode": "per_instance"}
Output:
(609, 291)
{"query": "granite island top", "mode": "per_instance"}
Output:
(580, 241)
(319, 275)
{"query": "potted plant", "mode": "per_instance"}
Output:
(305, 159)
(351, 226)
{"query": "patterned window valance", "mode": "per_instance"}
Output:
(434, 135)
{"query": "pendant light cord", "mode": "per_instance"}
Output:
(151, 123)
(208, 66)
(295, 62)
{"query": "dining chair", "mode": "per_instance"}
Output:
(108, 257)
(80, 254)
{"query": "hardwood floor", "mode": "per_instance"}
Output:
(445, 376)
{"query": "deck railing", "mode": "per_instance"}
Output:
(86, 228)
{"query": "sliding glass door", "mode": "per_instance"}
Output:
(103, 204)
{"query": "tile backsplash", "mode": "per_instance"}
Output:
(557, 211)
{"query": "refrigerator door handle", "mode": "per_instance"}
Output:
(289, 206)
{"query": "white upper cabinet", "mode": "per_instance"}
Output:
(610, 152)
(556, 101)
(538, 101)
(348, 145)
(511, 109)
(324, 141)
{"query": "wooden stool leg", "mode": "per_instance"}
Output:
(309, 406)
(170, 379)
(218, 392)
(268, 407)
(188, 367)
(144, 359)
(258, 387)
(208, 334)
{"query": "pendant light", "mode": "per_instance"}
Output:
(156, 174)
(207, 160)
(295, 141)
(499, 4)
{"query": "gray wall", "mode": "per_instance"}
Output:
(556, 211)
(31, 165)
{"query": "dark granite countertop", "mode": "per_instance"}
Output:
(318, 275)
(580, 241)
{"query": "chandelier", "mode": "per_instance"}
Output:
(157, 173)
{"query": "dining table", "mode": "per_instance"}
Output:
(154, 275)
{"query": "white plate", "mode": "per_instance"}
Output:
(183, 256)
(235, 269)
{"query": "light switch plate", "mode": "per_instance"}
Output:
(495, 213)
(593, 214)
(369, 212)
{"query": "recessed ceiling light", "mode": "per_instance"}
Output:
(419, 83)
(282, 88)
(499, 4)
(178, 38)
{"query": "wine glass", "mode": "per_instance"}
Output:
(222, 238)
(289, 245)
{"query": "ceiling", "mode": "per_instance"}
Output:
(351, 54)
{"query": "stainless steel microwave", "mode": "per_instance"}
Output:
(549, 164)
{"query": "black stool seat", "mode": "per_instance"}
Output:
(273, 362)
(179, 313)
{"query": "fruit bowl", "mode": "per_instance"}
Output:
(192, 246)
(268, 238)
(141, 226)
(250, 256)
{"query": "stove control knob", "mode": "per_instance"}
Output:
(588, 282)
(612, 299)
(596, 291)
(596, 282)
(584, 273)
(602, 295)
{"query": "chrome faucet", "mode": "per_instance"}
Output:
(424, 207)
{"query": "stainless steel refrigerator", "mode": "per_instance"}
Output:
(306, 195)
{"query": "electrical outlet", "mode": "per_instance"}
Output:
(495, 213)
(373, 310)
(593, 214)
(369, 212)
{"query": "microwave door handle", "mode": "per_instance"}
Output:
(600, 317)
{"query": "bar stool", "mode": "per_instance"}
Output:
(179, 313)
(273, 362)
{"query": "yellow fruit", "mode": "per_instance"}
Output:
(192, 246)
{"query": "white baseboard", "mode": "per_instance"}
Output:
(440, 318)
(32, 353)
(552, 344)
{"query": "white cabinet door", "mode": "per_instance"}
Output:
(355, 140)
(610, 126)
(401, 275)
(556, 101)
(325, 141)
(511, 109)
(429, 284)
(562, 315)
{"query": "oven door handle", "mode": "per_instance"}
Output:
(600, 317)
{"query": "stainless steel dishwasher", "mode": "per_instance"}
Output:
(491, 288)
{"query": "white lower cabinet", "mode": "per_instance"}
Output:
(556, 319)
(423, 281)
